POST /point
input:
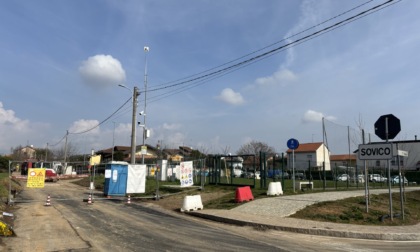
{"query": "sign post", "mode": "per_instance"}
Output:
(387, 127)
(293, 144)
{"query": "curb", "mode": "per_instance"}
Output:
(313, 231)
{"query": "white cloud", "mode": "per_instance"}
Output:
(282, 77)
(15, 131)
(8, 118)
(314, 116)
(229, 96)
(173, 126)
(84, 125)
(176, 139)
(311, 13)
(102, 70)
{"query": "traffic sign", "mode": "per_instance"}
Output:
(402, 153)
(394, 127)
(375, 151)
(36, 178)
(292, 144)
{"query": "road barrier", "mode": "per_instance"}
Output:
(192, 203)
(274, 189)
(243, 194)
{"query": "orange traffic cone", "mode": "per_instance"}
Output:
(48, 202)
(129, 199)
(90, 199)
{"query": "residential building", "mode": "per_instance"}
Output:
(343, 160)
(309, 155)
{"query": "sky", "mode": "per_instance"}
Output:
(217, 74)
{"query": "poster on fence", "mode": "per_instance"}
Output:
(186, 170)
(136, 179)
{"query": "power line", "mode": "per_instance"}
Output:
(217, 73)
(103, 121)
(203, 77)
(268, 46)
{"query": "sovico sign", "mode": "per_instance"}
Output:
(375, 151)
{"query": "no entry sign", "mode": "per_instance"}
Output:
(375, 151)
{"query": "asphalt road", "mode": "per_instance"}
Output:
(71, 224)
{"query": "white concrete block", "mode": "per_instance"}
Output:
(192, 203)
(274, 188)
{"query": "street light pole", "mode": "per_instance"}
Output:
(146, 49)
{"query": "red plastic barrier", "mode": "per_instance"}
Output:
(243, 194)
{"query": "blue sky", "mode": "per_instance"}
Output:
(61, 63)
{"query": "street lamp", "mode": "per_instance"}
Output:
(133, 122)
(146, 50)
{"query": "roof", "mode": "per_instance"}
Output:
(116, 148)
(307, 147)
(342, 157)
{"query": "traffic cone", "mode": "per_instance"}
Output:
(90, 199)
(48, 203)
(129, 199)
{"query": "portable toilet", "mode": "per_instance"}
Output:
(116, 179)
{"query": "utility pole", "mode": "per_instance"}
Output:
(46, 153)
(113, 143)
(65, 153)
(133, 126)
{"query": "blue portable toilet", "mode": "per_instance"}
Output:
(116, 179)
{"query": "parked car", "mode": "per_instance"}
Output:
(377, 178)
(343, 177)
(277, 174)
(300, 176)
(396, 180)
(51, 175)
(247, 175)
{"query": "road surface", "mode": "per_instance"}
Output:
(71, 224)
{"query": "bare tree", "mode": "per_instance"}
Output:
(71, 150)
(17, 154)
(226, 150)
(255, 147)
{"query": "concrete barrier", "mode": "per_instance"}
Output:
(243, 194)
(192, 203)
(274, 188)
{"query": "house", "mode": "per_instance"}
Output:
(108, 154)
(177, 155)
(343, 160)
(28, 152)
(308, 155)
(152, 154)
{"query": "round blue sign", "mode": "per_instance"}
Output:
(292, 144)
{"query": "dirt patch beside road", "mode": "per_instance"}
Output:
(174, 202)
